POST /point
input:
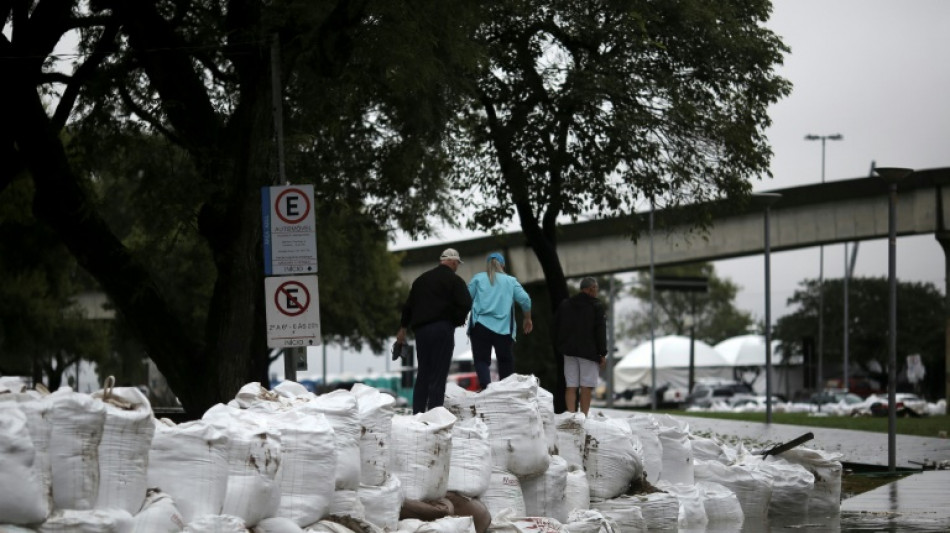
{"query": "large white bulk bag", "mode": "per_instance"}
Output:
(88, 521)
(276, 525)
(571, 436)
(622, 512)
(123, 451)
(189, 462)
(647, 430)
(36, 406)
(692, 512)
(589, 521)
(752, 487)
(612, 457)
(792, 485)
(253, 454)
(76, 422)
(825, 498)
(460, 402)
(577, 489)
(677, 451)
(375, 410)
(722, 507)
(381, 503)
(504, 492)
(507, 522)
(217, 524)
(158, 515)
(709, 449)
(510, 409)
(22, 500)
(422, 452)
(546, 409)
(307, 463)
(544, 494)
(347, 503)
(256, 396)
(448, 524)
(342, 412)
(470, 466)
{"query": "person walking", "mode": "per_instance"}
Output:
(492, 324)
(437, 304)
(581, 325)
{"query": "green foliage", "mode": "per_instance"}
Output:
(920, 326)
(716, 317)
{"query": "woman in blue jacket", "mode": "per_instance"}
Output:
(492, 322)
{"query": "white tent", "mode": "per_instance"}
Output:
(672, 364)
(747, 350)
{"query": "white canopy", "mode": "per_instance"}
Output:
(672, 363)
(747, 350)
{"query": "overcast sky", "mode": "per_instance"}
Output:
(875, 71)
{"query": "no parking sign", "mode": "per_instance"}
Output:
(293, 311)
(290, 230)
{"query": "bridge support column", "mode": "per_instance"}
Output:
(943, 237)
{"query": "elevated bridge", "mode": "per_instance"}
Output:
(805, 216)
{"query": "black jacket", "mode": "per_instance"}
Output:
(581, 323)
(437, 294)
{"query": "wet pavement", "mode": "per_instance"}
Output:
(917, 502)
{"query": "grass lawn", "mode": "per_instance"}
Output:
(925, 426)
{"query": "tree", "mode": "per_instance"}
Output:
(920, 327)
(198, 74)
(588, 108)
(716, 316)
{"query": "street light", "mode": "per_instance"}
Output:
(766, 200)
(892, 176)
(821, 264)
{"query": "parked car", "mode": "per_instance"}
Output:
(822, 398)
(907, 404)
(752, 403)
(705, 393)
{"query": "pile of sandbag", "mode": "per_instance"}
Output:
(287, 460)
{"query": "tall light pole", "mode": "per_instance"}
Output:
(821, 264)
(766, 200)
(892, 176)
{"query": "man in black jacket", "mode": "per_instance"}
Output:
(581, 322)
(438, 303)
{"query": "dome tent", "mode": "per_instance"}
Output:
(672, 364)
(747, 350)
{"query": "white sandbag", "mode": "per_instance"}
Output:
(36, 406)
(21, 498)
(589, 521)
(470, 465)
(692, 511)
(752, 487)
(544, 494)
(571, 436)
(158, 515)
(307, 463)
(722, 507)
(448, 524)
(88, 521)
(189, 462)
(708, 449)
(290, 389)
(612, 457)
(347, 503)
(253, 455)
(647, 430)
(422, 452)
(375, 410)
(677, 451)
(546, 409)
(792, 485)
(510, 409)
(256, 396)
(123, 451)
(277, 525)
(328, 526)
(342, 412)
(460, 402)
(343, 524)
(622, 512)
(507, 522)
(825, 497)
(76, 422)
(504, 492)
(577, 489)
(216, 524)
(381, 503)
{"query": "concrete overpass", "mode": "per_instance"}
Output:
(806, 216)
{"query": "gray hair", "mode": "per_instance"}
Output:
(588, 282)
